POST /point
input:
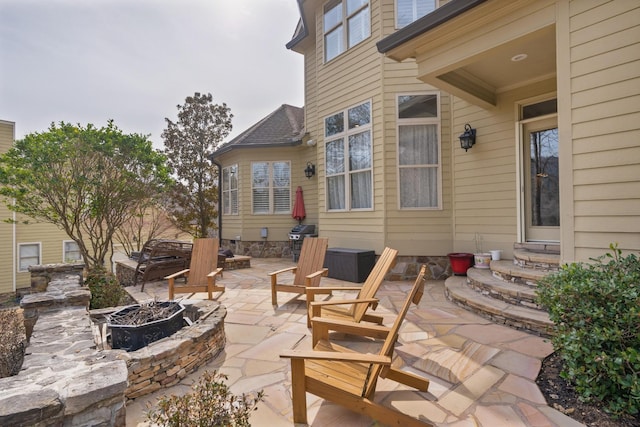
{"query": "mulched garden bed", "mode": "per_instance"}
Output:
(562, 396)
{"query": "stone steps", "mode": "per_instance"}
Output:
(498, 311)
(487, 284)
(506, 293)
(509, 272)
(537, 256)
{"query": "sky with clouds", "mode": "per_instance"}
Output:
(134, 61)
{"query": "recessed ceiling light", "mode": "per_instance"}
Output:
(519, 57)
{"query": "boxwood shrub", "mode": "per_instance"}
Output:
(596, 310)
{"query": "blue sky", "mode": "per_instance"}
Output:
(134, 61)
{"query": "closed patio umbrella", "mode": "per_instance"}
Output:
(298, 207)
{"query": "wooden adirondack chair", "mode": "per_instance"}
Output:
(202, 271)
(349, 378)
(357, 312)
(308, 271)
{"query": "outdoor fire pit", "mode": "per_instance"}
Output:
(138, 325)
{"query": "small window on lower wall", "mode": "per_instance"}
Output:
(70, 252)
(28, 254)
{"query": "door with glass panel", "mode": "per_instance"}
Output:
(541, 179)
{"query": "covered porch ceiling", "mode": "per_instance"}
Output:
(493, 47)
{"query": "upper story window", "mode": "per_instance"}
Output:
(271, 187)
(408, 11)
(230, 190)
(28, 254)
(345, 24)
(419, 168)
(70, 251)
(349, 159)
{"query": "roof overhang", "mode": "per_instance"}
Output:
(477, 49)
(231, 147)
(306, 25)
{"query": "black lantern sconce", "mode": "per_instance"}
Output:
(310, 170)
(468, 138)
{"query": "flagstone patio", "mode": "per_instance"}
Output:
(482, 374)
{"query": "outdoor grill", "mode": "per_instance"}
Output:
(297, 235)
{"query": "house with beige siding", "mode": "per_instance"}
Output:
(25, 242)
(260, 171)
(551, 89)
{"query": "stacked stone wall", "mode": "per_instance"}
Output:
(164, 363)
(64, 380)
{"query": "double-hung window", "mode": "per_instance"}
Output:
(230, 190)
(28, 254)
(70, 251)
(349, 159)
(419, 151)
(345, 24)
(408, 11)
(271, 187)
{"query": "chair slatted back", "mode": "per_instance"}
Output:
(204, 260)
(312, 254)
(374, 280)
(389, 343)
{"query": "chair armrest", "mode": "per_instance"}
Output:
(324, 273)
(324, 289)
(321, 326)
(284, 270)
(215, 272)
(345, 301)
(337, 356)
(179, 273)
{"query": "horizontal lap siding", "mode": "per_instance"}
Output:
(349, 79)
(605, 73)
(249, 225)
(6, 230)
(484, 187)
(415, 231)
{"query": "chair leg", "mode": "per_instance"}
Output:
(171, 290)
(274, 294)
(298, 391)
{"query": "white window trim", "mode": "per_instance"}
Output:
(345, 27)
(345, 137)
(64, 251)
(39, 244)
(395, 14)
(438, 122)
(237, 190)
(271, 195)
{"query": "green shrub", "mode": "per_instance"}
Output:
(12, 342)
(596, 310)
(105, 289)
(210, 404)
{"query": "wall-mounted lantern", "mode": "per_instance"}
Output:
(468, 138)
(310, 170)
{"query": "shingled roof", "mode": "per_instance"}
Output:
(283, 127)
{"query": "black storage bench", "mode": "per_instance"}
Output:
(352, 265)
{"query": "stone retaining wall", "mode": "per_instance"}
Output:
(64, 380)
(165, 362)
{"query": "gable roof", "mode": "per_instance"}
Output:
(283, 127)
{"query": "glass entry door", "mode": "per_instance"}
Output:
(541, 180)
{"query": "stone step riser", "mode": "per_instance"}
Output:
(518, 280)
(534, 265)
(516, 298)
(483, 307)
